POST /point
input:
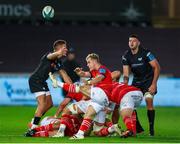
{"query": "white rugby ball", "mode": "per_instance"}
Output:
(48, 12)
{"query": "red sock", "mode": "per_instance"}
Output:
(86, 124)
(48, 127)
(41, 134)
(130, 123)
(134, 122)
(69, 87)
(102, 132)
(108, 124)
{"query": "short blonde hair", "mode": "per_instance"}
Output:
(93, 56)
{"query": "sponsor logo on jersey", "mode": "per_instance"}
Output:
(136, 65)
(140, 59)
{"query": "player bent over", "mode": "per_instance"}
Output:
(128, 97)
(99, 121)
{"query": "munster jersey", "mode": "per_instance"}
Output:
(102, 71)
(140, 67)
(72, 124)
(120, 90)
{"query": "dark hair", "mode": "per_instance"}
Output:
(58, 42)
(134, 36)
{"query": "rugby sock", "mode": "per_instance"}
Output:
(106, 131)
(103, 132)
(48, 127)
(41, 134)
(130, 123)
(139, 128)
(111, 129)
(85, 126)
(151, 117)
(36, 120)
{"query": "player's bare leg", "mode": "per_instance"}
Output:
(86, 124)
(49, 103)
(62, 106)
(39, 111)
(150, 113)
(115, 115)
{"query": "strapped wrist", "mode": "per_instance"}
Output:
(89, 82)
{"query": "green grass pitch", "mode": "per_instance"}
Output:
(14, 119)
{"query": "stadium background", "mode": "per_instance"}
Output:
(99, 26)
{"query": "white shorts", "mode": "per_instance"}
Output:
(131, 100)
(47, 93)
(100, 116)
(83, 105)
(99, 96)
(47, 120)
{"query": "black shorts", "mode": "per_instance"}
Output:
(36, 85)
(144, 85)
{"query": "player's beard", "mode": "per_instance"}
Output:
(134, 48)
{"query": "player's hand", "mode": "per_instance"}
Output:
(85, 82)
(53, 79)
(78, 71)
(152, 89)
(59, 52)
(107, 110)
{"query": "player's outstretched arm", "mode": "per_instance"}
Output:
(55, 55)
(67, 87)
(85, 90)
(82, 73)
(65, 76)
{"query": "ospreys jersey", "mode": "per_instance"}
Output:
(140, 67)
(42, 71)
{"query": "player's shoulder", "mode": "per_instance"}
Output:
(127, 52)
(127, 55)
(103, 68)
(145, 51)
(44, 56)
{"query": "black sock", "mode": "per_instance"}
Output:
(138, 125)
(151, 117)
(36, 120)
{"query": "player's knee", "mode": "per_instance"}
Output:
(126, 112)
(148, 96)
